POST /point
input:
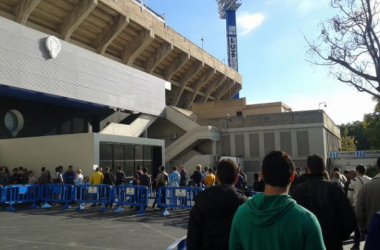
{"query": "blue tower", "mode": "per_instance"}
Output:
(227, 10)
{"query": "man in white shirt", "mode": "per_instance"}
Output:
(353, 191)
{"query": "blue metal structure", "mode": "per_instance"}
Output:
(227, 10)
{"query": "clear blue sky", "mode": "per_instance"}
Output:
(272, 52)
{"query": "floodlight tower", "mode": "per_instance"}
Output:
(227, 10)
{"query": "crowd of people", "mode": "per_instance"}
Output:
(295, 211)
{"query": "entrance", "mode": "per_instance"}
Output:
(129, 156)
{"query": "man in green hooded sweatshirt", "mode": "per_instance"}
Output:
(273, 220)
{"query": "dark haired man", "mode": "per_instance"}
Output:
(120, 176)
(273, 220)
(69, 176)
(329, 203)
(211, 216)
(368, 203)
(353, 191)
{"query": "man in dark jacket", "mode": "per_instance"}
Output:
(120, 176)
(211, 216)
(328, 202)
(184, 175)
(69, 176)
(109, 179)
(197, 176)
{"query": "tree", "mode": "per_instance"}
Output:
(371, 125)
(348, 142)
(357, 130)
(350, 45)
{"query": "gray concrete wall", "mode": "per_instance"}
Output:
(50, 152)
(76, 73)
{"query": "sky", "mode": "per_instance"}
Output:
(272, 52)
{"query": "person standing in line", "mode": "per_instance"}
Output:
(120, 176)
(161, 181)
(139, 171)
(69, 176)
(184, 176)
(368, 202)
(16, 177)
(174, 178)
(57, 178)
(211, 216)
(197, 176)
(328, 202)
(4, 179)
(354, 188)
(273, 220)
(43, 177)
(210, 179)
(145, 180)
(96, 178)
(109, 179)
(78, 178)
(258, 184)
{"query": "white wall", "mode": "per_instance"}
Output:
(50, 152)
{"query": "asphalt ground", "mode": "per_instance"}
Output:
(58, 229)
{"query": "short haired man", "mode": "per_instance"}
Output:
(120, 176)
(273, 220)
(353, 191)
(329, 203)
(174, 178)
(368, 203)
(96, 178)
(184, 176)
(69, 176)
(109, 179)
(211, 216)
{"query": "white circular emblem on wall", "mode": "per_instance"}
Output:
(53, 45)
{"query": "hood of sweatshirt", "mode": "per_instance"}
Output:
(267, 209)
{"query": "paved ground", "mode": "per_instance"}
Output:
(89, 229)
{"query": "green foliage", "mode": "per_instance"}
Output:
(348, 142)
(372, 171)
(371, 125)
(356, 129)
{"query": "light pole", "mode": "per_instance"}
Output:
(319, 106)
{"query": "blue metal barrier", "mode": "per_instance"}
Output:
(177, 197)
(96, 194)
(1, 194)
(131, 196)
(61, 193)
(14, 194)
(179, 244)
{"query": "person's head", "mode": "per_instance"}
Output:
(336, 170)
(315, 164)
(5, 169)
(15, 170)
(210, 170)
(97, 170)
(353, 173)
(136, 176)
(198, 167)
(174, 168)
(70, 168)
(360, 169)
(181, 168)
(139, 168)
(162, 168)
(145, 170)
(20, 168)
(118, 169)
(1, 169)
(79, 171)
(108, 169)
(25, 171)
(60, 169)
(227, 171)
(100, 169)
(43, 169)
(256, 176)
(206, 169)
(278, 169)
(336, 175)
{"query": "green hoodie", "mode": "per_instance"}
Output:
(275, 222)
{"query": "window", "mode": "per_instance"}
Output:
(14, 121)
